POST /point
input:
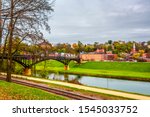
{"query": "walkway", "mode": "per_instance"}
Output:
(98, 90)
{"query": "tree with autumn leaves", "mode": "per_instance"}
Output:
(22, 19)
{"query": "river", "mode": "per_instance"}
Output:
(139, 87)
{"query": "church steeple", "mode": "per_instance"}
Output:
(133, 48)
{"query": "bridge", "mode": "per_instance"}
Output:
(27, 61)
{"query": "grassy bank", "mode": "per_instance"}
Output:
(88, 93)
(121, 66)
(12, 91)
(123, 70)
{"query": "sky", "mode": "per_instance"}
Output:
(92, 21)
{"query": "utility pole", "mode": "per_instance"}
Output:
(11, 28)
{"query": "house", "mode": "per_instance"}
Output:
(92, 57)
(146, 57)
(98, 55)
(100, 51)
(110, 57)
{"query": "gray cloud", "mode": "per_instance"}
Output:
(100, 20)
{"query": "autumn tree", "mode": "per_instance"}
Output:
(24, 18)
(80, 47)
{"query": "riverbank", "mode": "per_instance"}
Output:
(120, 70)
(96, 95)
(86, 88)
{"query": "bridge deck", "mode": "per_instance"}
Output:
(30, 60)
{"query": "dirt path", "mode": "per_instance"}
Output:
(105, 91)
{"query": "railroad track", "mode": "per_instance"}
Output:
(68, 94)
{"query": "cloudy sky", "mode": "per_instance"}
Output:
(99, 21)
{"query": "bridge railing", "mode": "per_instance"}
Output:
(40, 57)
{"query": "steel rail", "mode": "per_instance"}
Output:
(68, 94)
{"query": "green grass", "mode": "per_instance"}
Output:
(123, 70)
(117, 66)
(12, 91)
(51, 63)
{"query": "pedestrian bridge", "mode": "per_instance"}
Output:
(27, 61)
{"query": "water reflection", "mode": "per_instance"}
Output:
(65, 77)
(117, 84)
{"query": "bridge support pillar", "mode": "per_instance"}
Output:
(66, 67)
(27, 72)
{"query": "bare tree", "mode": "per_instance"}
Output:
(24, 18)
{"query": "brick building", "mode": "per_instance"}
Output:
(97, 57)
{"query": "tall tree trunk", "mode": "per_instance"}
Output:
(1, 32)
(9, 60)
(0, 25)
(4, 53)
